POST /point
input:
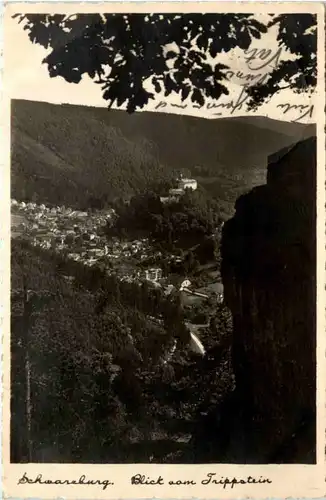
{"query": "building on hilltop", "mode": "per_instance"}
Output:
(187, 184)
(183, 184)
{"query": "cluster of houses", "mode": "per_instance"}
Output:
(81, 236)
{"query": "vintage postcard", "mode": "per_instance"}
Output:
(163, 250)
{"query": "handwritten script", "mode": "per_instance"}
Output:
(81, 481)
(257, 66)
(294, 112)
(211, 478)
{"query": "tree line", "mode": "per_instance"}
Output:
(99, 386)
(179, 223)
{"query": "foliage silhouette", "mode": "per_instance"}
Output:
(135, 56)
(297, 34)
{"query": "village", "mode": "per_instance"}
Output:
(81, 236)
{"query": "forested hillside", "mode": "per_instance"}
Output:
(75, 155)
(102, 388)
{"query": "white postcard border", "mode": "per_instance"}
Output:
(286, 480)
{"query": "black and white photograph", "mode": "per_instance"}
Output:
(163, 241)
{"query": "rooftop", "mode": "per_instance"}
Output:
(187, 180)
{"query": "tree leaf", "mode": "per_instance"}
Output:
(89, 43)
(197, 97)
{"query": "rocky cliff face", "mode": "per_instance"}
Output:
(269, 277)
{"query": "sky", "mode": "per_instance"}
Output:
(27, 78)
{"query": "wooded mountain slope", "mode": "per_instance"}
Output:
(65, 154)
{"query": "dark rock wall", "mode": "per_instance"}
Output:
(269, 277)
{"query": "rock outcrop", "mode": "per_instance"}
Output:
(269, 277)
